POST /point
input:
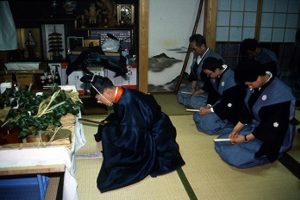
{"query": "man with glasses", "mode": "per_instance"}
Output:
(193, 94)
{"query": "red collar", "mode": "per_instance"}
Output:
(119, 92)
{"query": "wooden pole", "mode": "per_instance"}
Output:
(91, 121)
(189, 51)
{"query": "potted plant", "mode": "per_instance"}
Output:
(34, 114)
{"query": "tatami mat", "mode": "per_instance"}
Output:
(168, 100)
(163, 187)
(295, 151)
(213, 179)
(208, 175)
(167, 187)
(89, 130)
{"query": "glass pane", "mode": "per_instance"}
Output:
(265, 34)
(236, 19)
(250, 5)
(281, 6)
(289, 35)
(235, 34)
(248, 33)
(278, 34)
(222, 34)
(293, 6)
(292, 20)
(268, 6)
(266, 19)
(237, 5)
(249, 19)
(279, 20)
(223, 4)
(223, 18)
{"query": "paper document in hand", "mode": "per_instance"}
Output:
(192, 110)
(184, 92)
(222, 140)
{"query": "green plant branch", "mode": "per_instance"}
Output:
(10, 120)
(55, 132)
(41, 110)
(49, 110)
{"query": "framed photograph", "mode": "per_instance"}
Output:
(91, 42)
(75, 44)
(125, 14)
(30, 43)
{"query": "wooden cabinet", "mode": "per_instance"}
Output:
(32, 14)
(84, 20)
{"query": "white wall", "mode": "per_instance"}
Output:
(171, 23)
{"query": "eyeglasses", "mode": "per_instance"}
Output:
(193, 49)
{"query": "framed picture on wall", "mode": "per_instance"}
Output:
(125, 14)
(75, 44)
(29, 43)
(53, 36)
(91, 42)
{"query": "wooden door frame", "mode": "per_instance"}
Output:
(210, 22)
(142, 79)
(210, 12)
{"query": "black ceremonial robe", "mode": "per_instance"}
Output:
(139, 140)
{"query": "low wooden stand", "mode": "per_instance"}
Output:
(24, 77)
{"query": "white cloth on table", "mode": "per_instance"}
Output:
(49, 155)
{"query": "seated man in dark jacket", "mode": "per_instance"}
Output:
(138, 139)
(225, 99)
(265, 130)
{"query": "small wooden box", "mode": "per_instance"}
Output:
(25, 79)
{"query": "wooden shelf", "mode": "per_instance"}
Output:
(32, 14)
(24, 77)
(32, 170)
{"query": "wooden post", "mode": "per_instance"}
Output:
(143, 46)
